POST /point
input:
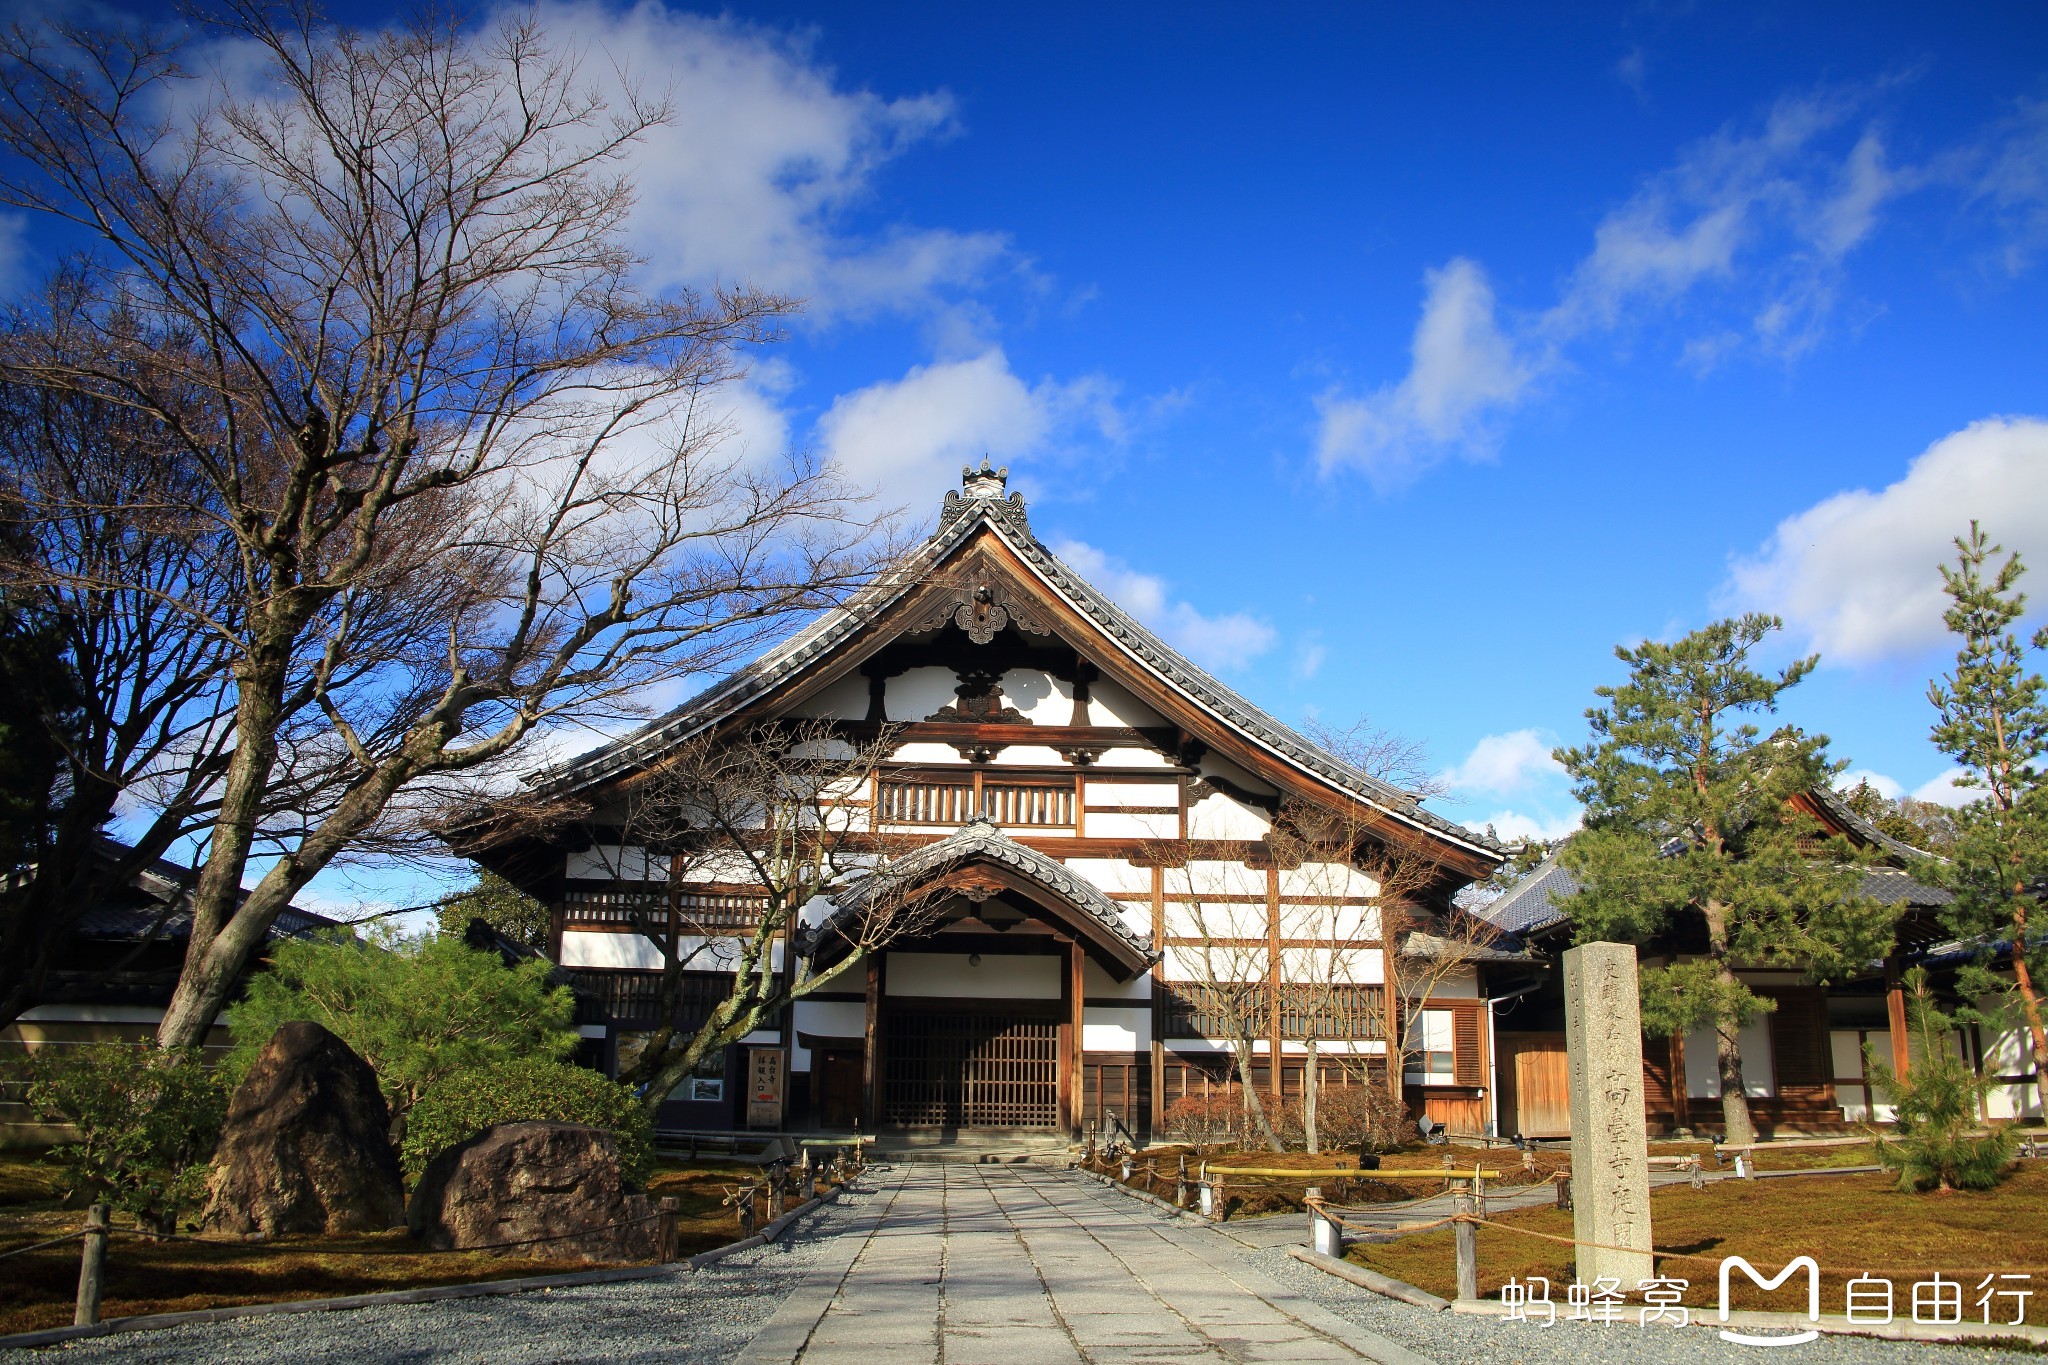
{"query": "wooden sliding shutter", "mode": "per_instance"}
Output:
(1799, 1037)
(1468, 1057)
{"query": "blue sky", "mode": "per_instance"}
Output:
(1401, 361)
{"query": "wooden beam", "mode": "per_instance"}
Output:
(1158, 1004)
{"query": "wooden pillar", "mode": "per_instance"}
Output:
(1158, 973)
(1077, 997)
(1275, 983)
(1895, 1014)
(871, 1059)
(1390, 1001)
(1681, 1089)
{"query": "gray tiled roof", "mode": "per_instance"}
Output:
(958, 520)
(983, 841)
(1530, 904)
(1839, 808)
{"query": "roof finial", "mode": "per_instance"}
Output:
(984, 482)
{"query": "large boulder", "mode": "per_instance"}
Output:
(306, 1146)
(521, 1181)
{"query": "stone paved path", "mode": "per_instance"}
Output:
(983, 1265)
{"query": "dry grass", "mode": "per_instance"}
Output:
(1850, 1224)
(143, 1276)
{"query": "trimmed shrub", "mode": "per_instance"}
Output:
(1360, 1114)
(147, 1121)
(1204, 1121)
(459, 1106)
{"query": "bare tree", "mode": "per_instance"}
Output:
(373, 292)
(1219, 953)
(757, 832)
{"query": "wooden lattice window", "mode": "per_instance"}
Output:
(954, 800)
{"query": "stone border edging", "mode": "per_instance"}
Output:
(151, 1322)
(765, 1235)
(1188, 1215)
(1364, 1278)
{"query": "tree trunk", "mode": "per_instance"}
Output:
(1311, 1085)
(1734, 1093)
(1735, 1115)
(1252, 1104)
(2030, 1001)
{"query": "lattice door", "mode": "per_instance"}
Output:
(970, 1070)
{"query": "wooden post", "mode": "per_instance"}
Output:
(92, 1267)
(665, 1230)
(1077, 992)
(1895, 1014)
(1468, 1250)
(871, 1040)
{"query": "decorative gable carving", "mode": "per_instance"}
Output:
(982, 602)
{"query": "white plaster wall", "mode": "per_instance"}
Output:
(1110, 704)
(1326, 879)
(1188, 964)
(1216, 920)
(1027, 756)
(1355, 966)
(825, 1019)
(1204, 877)
(1096, 984)
(1199, 1046)
(718, 865)
(582, 948)
(1130, 825)
(1118, 792)
(1346, 922)
(1108, 1030)
(1460, 983)
(1039, 697)
(931, 754)
(1236, 776)
(997, 977)
(1131, 758)
(1137, 918)
(846, 699)
(1221, 817)
(616, 862)
(1112, 874)
(1703, 1074)
(918, 693)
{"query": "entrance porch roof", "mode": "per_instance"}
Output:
(1072, 900)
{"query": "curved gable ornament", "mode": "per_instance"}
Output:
(982, 604)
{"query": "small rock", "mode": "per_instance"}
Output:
(305, 1146)
(520, 1181)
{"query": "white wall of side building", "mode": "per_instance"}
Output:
(1344, 966)
(1218, 919)
(590, 948)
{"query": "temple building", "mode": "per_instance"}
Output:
(1096, 819)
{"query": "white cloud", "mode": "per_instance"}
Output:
(1942, 790)
(1884, 786)
(1508, 763)
(2015, 183)
(904, 436)
(1762, 216)
(1216, 642)
(1309, 661)
(756, 176)
(1513, 827)
(1857, 573)
(1769, 213)
(1463, 369)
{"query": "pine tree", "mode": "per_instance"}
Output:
(1994, 724)
(500, 904)
(1691, 829)
(1934, 1142)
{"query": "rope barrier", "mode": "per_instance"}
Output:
(54, 1241)
(143, 1235)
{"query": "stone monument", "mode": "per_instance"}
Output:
(1603, 1032)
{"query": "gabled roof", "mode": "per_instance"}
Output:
(983, 507)
(158, 898)
(1838, 808)
(982, 842)
(1532, 903)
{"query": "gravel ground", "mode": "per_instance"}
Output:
(705, 1315)
(1456, 1338)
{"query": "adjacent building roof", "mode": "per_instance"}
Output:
(157, 899)
(983, 505)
